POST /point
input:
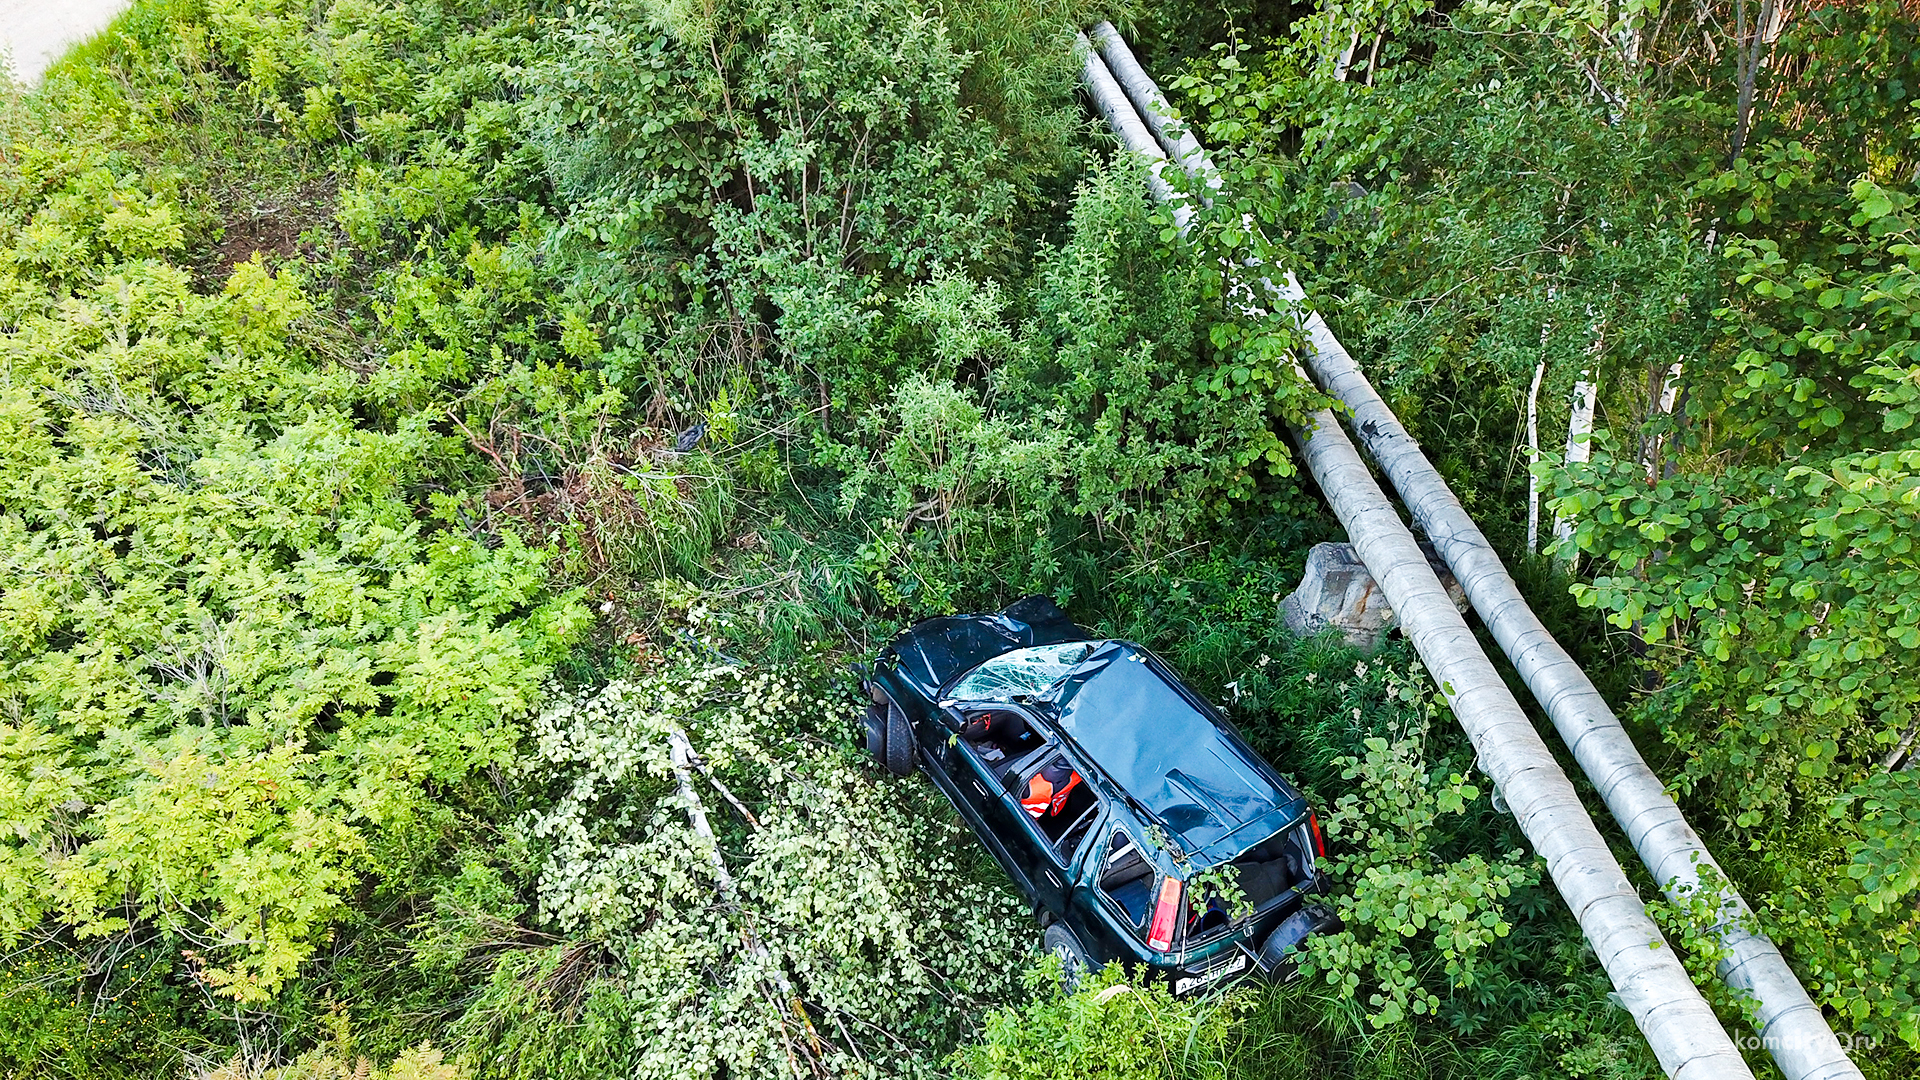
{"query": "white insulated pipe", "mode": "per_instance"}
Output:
(1677, 1022)
(1789, 1024)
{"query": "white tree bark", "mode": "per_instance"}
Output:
(1579, 429)
(1533, 458)
(1677, 1022)
(1790, 1025)
(1669, 395)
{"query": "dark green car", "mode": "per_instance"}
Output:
(1125, 808)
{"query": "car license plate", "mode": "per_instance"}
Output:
(1212, 974)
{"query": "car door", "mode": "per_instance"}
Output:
(1057, 808)
(980, 791)
(1112, 903)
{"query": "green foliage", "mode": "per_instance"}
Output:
(422, 1062)
(1405, 911)
(58, 1018)
(1109, 1026)
(243, 632)
(1142, 357)
(1783, 566)
(294, 543)
(244, 647)
(822, 886)
(1125, 394)
(753, 171)
(551, 1012)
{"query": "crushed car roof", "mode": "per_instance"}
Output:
(1125, 710)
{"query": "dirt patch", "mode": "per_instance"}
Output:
(272, 223)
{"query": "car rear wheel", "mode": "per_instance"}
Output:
(1280, 953)
(1074, 961)
(899, 742)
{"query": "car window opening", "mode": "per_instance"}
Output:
(1069, 841)
(1263, 873)
(999, 735)
(1060, 803)
(1126, 877)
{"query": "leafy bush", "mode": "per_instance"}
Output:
(129, 1025)
(761, 898)
(1108, 1026)
(1405, 911)
(755, 174)
(1125, 396)
(423, 1062)
(245, 647)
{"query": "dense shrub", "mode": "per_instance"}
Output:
(763, 897)
(236, 639)
(1108, 1027)
(748, 187)
(824, 315)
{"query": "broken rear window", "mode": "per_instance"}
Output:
(1023, 673)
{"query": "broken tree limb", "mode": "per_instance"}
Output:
(1653, 986)
(700, 765)
(680, 754)
(785, 1001)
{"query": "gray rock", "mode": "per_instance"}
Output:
(1337, 591)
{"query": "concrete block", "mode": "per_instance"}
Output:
(1338, 591)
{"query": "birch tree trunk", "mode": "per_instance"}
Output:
(1579, 428)
(1533, 458)
(1677, 1022)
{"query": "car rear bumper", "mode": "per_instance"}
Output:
(1229, 967)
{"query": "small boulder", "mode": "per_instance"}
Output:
(1337, 591)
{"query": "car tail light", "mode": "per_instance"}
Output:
(1166, 915)
(1319, 842)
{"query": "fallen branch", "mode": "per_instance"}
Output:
(781, 994)
(700, 765)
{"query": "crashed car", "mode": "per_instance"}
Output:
(1115, 798)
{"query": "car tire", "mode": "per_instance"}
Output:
(1075, 964)
(1278, 954)
(899, 742)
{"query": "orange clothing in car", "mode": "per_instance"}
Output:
(1047, 791)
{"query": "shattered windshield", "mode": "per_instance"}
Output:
(1022, 673)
